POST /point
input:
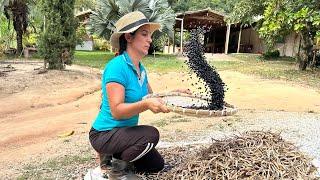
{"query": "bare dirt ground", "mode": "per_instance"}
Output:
(36, 108)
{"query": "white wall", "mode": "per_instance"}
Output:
(250, 36)
(87, 46)
(169, 50)
(290, 47)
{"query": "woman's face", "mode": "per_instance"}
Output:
(141, 40)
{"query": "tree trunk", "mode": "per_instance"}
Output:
(56, 65)
(56, 61)
(303, 61)
(307, 44)
(19, 42)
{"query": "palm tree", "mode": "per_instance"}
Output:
(2, 3)
(81, 5)
(102, 21)
(17, 11)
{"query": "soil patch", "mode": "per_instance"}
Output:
(36, 108)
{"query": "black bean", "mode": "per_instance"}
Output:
(215, 87)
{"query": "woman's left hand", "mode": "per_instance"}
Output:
(186, 91)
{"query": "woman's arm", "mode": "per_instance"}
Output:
(121, 110)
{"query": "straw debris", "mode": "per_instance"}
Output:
(251, 155)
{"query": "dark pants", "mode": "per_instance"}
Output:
(132, 144)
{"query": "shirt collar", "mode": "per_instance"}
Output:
(129, 61)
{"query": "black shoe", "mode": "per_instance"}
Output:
(122, 170)
(105, 161)
(105, 164)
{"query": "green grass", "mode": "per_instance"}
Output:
(158, 63)
(163, 63)
(280, 68)
(96, 59)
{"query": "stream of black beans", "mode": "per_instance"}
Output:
(214, 86)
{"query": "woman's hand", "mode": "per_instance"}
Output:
(156, 105)
(186, 91)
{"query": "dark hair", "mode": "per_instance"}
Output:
(123, 43)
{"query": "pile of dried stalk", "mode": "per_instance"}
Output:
(251, 155)
(6, 69)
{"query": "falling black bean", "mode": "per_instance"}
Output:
(215, 87)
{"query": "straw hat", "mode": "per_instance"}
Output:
(129, 23)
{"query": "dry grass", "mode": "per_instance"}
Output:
(251, 155)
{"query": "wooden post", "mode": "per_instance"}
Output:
(181, 38)
(44, 29)
(168, 45)
(214, 42)
(181, 34)
(227, 39)
(174, 38)
(44, 23)
(239, 39)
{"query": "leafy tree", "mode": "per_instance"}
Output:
(284, 16)
(35, 18)
(280, 18)
(190, 5)
(181, 6)
(6, 34)
(35, 25)
(84, 4)
(58, 40)
(102, 22)
(244, 11)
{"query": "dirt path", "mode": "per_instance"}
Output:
(35, 108)
(249, 92)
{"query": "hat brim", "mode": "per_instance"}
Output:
(114, 39)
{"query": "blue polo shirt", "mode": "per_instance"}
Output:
(121, 70)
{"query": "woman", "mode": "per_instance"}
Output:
(115, 135)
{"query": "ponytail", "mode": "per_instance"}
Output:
(123, 43)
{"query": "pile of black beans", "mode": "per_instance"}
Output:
(214, 86)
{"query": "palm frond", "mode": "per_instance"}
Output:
(109, 11)
(127, 6)
(3, 3)
(140, 5)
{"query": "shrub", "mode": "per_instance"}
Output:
(30, 40)
(271, 54)
(58, 41)
(101, 44)
(81, 34)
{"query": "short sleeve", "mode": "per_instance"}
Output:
(115, 72)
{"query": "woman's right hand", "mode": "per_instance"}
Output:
(156, 105)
